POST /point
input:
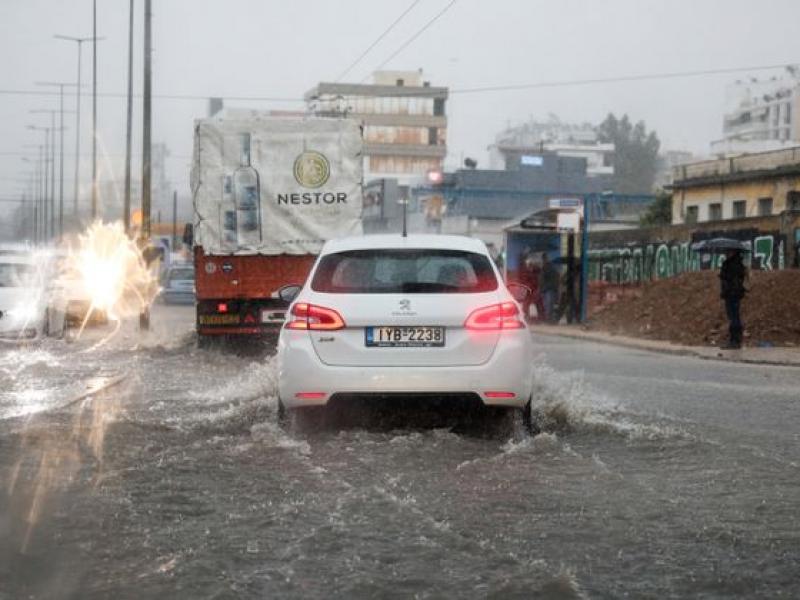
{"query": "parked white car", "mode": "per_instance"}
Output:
(414, 316)
(22, 303)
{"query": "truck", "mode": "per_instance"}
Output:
(267, 193)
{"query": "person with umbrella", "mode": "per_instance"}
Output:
(732, 276)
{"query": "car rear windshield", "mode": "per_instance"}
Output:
(17, 275)
(403, 271)
(181, 275)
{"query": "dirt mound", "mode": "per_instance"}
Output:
(687, 310)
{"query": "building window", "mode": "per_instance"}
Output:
(691, 215)
(793, 200)
(764, 207)
(438, 107)
(715, 211)
(432, 136)
(739, 209)
(400, 82)
(787, 113)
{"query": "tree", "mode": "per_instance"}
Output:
(635, 154)
(659, 212)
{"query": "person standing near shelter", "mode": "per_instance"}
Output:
(529, 277)
(549, 280)
(732, 276)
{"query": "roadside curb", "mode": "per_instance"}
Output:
(705, 353)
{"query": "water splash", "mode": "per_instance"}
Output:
(111, 273)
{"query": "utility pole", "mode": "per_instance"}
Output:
(94, 110)
(79, 41)
(126, 211)
(146, 115)
(144, 316)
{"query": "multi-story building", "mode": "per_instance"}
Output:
(404, 120)
(553, 135)
(749, 185)
(765, 113)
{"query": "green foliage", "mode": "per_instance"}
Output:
(635, 154)
(659, 212)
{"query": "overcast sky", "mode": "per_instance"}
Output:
(281, 48)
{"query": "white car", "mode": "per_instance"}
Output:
(418, 316)
(22, 310)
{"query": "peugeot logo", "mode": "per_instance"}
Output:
(405, 304)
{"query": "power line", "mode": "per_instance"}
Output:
(9, 92)
(88, 154)
(624, 78)
(422, 30)
(416, 91)
(380, 37)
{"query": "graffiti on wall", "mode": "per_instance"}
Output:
(645, 261)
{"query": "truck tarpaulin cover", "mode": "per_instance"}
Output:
(266, 185)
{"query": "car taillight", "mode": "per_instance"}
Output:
(316, 318)
(495, 317)
(499, 395)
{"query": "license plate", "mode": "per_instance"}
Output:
(413, 337)
(219, 319)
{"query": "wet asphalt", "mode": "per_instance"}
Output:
(654, 476)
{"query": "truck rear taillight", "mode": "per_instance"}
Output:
(315, 318)
(222, 307)
(495, 317)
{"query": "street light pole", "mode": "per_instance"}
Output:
(79, 41)
(53, 128)
(45, 173)
(61, 87)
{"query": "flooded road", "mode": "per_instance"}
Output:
(654, 477)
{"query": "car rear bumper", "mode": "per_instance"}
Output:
(177, 297)
(506, 379)
(27, 333)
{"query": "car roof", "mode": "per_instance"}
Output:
(17, 259)
(412, 241)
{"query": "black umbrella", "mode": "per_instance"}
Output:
(720, 245)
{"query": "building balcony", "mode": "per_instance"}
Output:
(420, 150)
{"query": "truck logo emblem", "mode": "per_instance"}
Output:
(405, 304)
(311, 169)
(211, 268)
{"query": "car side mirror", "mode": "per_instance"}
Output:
(519, 292)
(289, 292)
(188, 235)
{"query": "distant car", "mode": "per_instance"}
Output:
(415, 316)
(69, 304)
(22, 306)
(178, 285)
